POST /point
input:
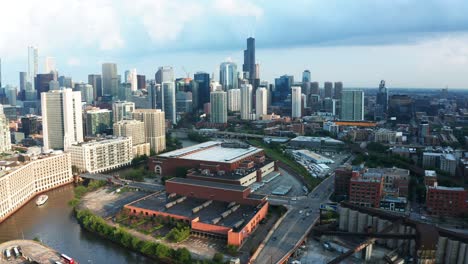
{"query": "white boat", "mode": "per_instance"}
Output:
(42, 200)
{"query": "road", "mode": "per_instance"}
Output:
(295, 224)
(132, 184)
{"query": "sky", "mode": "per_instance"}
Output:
(409, 43)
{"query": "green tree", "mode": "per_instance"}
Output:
(182, 255)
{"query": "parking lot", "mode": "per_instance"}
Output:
(28, 249)
(284, 180)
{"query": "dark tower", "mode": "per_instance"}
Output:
(249, 61)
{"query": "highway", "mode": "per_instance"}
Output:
(295, 224)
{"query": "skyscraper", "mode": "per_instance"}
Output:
(203, 85)
(249, 66)
(234, 100)
(65, 81)
(61, 119)
(314, 88)
(296, 101)
(218, 102)
(261, 102)
(169, 101)
(87, 92)
(306, 76)
(42, 83)
(23, 76)
(228, 75)
(246, 102)
(381, 106)
(110, 80)
(50, 65)
(131, 78)
(338, 90)
(164, 74)
(122, 110)
(328, 89)
(141, 82)
(352, 105)
(5, 139)
(96, 81)
(282, 88)
(155, 127)
(32, 65)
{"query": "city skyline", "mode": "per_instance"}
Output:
(329, 48)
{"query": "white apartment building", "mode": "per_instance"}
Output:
(261, 102)
(296, 97)
(234, 99)
(102, 155)
(5, 139)
(135, 130)
(36, 174)
(155, 127)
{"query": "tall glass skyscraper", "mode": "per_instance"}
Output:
(110, 80)
(249, 66)
(32, 65)
(228, 75)
(352, 105)
(203, 80)
(169, 101)
(306, 76)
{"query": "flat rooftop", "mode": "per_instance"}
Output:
(216, 185)
(212, 151)
(444, 188)
(317, 139)
(430, 173)
(206, 215)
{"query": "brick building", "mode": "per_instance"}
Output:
(366, 190)
(342, 178)
(448, 201)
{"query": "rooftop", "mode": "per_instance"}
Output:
(430, 173)
(317, 139)
(214, 151)
(444, 188)
(215, 185)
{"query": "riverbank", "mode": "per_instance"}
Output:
(28, 249)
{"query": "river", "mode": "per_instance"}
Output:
(55, 225)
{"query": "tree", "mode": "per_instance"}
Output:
(218, 258)
(182, 255)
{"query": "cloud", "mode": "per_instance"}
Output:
(240, 8)
(73, 61)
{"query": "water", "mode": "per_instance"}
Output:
(56, 226)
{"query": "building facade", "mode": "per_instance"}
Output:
(228, 75)
(234, 100)
(110, 80)
(169, 101)
(5, 137)
(136, 130)
(155, 127)
(246, 102)
(218, 102)
(98, 121)
(352, 105)
(261, 102)
(296, 102)
(122, 110)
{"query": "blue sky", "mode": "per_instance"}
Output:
(409, 43)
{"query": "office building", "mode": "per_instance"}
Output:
(5, 138)
(23, 79)
(131, 78)
(338, 90)
(314, 88)
(32, 65)
(218, 102)
(122, 110)
(283, 86)
(87, 92)
(329, 105)
(296, 102)
(249, 66)
(95, 80)
(246, 102)
(98, 122)
(228, 75)
(400, 107)
(141, 82)
(42, 83)
(234, 100)
(11, 93)
(110, 80)
(155, 96)
(306, 76)
(203, 88)
(50, 65)
(381, 103)
(184, 103)
(30, 125)
(261, 102)
(446, 201)
(352, 105)
(62, 121)
(328, 89)
(155, 127)
(164, 74)
(65, 81)
(169, 101)
(30, 175)
(136, 131)
(102, 155)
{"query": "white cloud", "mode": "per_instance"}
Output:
(241, 8)
(73, 61)
(54, 25)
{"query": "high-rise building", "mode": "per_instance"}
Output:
(65, 81)
(352, 105)
(155, 127)
(338, 90)
(306, 76)
(283, 86)
(328, 89)
(401, 107)
(110, 80)
(234, 100)
(30, 125)
(87, 92)
(296, 101)
(42, 83)
(5, 139)
(96, 81)
(314, 88)
(249, 66)
(261, 102)
(155, 95)
(50, 65)
(203, 88)
(62, 121)
(11, 93)
(131, 78)
(98, 121)
(23, 79)
(164, 74)
(32, 65)
(228, 75)
(381, 106)
(122, 110)
(141, 82)
(246, 102)
(169, 101)
(136, 130)
(218, 101)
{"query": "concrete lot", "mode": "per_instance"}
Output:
(285, 179)
(30, 249)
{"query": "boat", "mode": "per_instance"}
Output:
(42, 200)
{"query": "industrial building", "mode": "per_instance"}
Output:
(317, 143)
(312, 156)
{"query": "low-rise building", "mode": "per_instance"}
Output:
(342, 179)
(102, 155)
(446, 201)
(30, 175)
(317, 143)
(387, 136)
(430, 178)
(366, 190)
